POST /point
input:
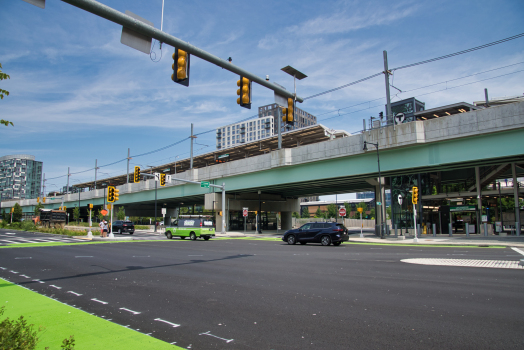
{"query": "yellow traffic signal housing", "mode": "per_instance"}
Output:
(244, 92)
(180, 67)
(136, 175)
(38, 199)
(109, 206)
(116, 194)
(43, 199)
(64, 208)
(287, 113)
(110, 194)
(90, 206)
(162, 179)
(12, 209)
(414, 195)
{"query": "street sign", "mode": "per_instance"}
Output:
(223, 156)
(399, 118)
(244, 212)
(164, 211)
(400, 199)
(379, 203)
(103, 212)
(168, 178)
(342, 211)
(204, 184)
(157, 176)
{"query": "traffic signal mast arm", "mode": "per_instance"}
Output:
(118, 17)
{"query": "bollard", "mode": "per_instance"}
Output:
(418, 230)
(396, 234)
(485, 229)
(450, 229)
(434, 230)
(467, 229)
(517, 228)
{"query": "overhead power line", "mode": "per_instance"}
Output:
(419, 63)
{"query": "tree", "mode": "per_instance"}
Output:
(331, 211)
(295, 215)
(121, 213)
(99, 215)
(76, 214)
(305, 213)
(37, 208)
(319, 213)
(4, 215)
(17, 213)
(2, 93)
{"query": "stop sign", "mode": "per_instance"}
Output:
(342, 212)
(244, 212)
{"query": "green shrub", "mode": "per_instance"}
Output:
(17, 334)
(28, 226)
(141, 227)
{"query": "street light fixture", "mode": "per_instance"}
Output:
(382, 212)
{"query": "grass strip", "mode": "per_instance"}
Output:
(61, 321)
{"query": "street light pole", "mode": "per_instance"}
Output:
(382, 213)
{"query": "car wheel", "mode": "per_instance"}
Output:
(206, 238)
(169, 235)
(192, 236)
(325, 240)
(291, 239)
(337, 243)
(303, 243)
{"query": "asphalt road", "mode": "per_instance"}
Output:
(245, 294)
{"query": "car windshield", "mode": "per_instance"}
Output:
(306, 227)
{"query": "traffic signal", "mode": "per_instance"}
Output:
(110, 194)
(38, 199)
(64, 208)
(414, 195)
(116, 190)
(43, 199)
(12, 209)
(136, 177)
(90, 206)
(162, 179)
(244, 92)
(287, 113)
(180, 67)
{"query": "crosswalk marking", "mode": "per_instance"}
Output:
(497, 264)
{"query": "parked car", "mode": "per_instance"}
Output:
(120, 226)
(192, 226)
(317, 232)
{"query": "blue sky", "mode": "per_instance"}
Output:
(77, 94)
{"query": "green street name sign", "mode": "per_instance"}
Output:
(463, 208)
(204, 184)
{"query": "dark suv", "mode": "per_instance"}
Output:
(120, 226)
(317, 232)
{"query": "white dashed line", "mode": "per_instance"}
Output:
(195, 255)
(497, 264)
(141, 256)
(211, 335)
(13, 271)
(52, 285)
(3, 268)
(26, 257)
(100, 301)
(133, 312)
(75, 294)
(172, 324)
(88, 256)
(10, 233)
(38, 281)
(24, 276)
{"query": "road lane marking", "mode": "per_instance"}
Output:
(12, 271)
(211, 335)
(52, 285)
(24, 276)
(195, 255)
(3, 268)
(172, 324)
(497, 264)
(141, 256)
(77, 294)
(100, 301)
(133, 312)
(37, 280)
(82, 256)
(24, 257)
(10, 233)
(518, 250)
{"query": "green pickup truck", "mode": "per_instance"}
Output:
(192, 226)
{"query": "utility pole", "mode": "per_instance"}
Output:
(68, 174)
(128, 158)
(96, 170)
(389, 115)
(191, 156)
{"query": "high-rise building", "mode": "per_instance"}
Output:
(20, 177)
(246, 131)
(302, 118)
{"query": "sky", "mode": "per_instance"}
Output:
(78, 95)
